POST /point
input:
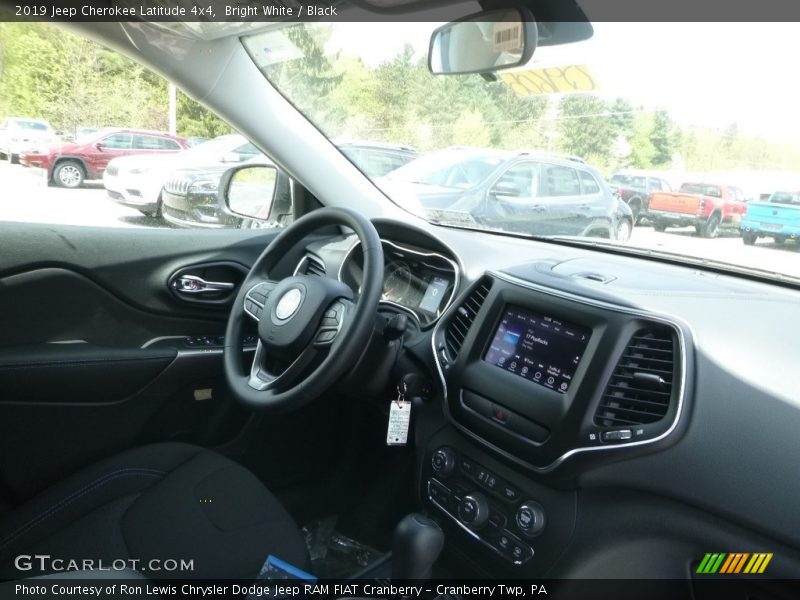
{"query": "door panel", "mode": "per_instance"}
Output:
(94, 356)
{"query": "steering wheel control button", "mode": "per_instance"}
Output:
(530, 518)
(326, 336)
(474, 510)
(443, 461)
(618, 435)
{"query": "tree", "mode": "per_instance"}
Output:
(642, 149)
(622, 118)
(662, 137)
(585, 127)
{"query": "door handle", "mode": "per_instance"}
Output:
(585, 207)
(192, 284)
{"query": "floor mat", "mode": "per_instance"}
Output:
(333, 555)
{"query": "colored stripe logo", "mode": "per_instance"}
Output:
(734, 563)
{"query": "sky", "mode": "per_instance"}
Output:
(704, 74)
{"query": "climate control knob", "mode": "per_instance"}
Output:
(530, 518)
(443, 461)
(473, 510)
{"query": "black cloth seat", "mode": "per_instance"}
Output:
(157, 502)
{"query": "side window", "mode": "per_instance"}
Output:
(246, 151)
(561, 181)
(520, 181)
(589, 183)
(146, 190)
(118, 141)
(146, 142)
(377, 163)
(654, 185)
(168, 144)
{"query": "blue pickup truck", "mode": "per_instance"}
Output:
(778, 218)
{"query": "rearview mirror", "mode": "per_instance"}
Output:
(483, 42)
(249, 190)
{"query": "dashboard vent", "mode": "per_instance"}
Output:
(640, 389)
(464, 316)
(311, 265)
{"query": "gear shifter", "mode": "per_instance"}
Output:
(417, 543)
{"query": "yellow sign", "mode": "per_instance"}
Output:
(551, 80)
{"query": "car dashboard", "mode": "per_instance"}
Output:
(572, 383)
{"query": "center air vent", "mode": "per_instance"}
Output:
(640, 389)
(464, 316)
(311, 265)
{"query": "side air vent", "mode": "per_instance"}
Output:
(640, 389)
(311, 265)
(464, 316)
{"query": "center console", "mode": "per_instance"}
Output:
(537, 383)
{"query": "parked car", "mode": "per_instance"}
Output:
(376, 159)
(635, 190)
(69, 165)
(706, 206)
(190, 194)
(526, 192)
(20, 135)
(778, 218)
(137, 181)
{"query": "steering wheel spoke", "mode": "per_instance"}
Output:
(262, 378)
(256, 298)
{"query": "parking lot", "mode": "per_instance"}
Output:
(25, 197)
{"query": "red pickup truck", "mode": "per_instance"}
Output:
(707, 206)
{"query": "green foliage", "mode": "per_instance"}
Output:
(47, 72)
(662, 137)
(585, 127)
(51, 74)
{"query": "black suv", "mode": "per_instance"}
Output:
(634, 189)
(190, 194)
(529, 192)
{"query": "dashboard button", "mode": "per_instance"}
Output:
(497, 520)
(530, 518)
(440, 495)
(467, 466)
(617, 435)
(474, 510)
(510, 493)
(499, 414)
(519, 552)
(443, 461)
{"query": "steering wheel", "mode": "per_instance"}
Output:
(311, 330)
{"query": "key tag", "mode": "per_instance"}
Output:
(399, 420)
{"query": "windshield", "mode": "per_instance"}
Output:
(452, 169)
(636, 182)
(700, 188)
(31, 125)
(535, 150)
(785, 198)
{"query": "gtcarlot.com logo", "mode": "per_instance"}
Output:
(47, 563)
(734, 563)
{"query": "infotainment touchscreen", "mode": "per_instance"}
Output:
(538, 347)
